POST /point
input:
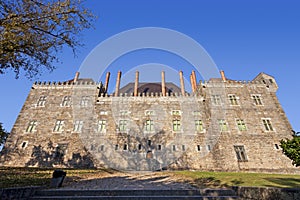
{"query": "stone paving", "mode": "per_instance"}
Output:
(130, 181)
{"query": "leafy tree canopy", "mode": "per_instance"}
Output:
(291, 148)
(3, 135)
(32, 32)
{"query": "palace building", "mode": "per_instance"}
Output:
(221, 125)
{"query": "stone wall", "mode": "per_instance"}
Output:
(133, 147)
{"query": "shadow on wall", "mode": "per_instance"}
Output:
(55, 156)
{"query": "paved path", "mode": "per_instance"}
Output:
(130, 181)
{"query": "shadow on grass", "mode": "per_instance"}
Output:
(209, 182)
(283, 182)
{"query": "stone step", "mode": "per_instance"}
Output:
(135, 194)
(134, 197)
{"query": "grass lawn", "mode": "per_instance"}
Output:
(227, 179)
(18, 177)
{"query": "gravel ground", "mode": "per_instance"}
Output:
(129, 181)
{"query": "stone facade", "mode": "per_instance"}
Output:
(223, 125)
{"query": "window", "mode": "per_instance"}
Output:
(102, 112)
(198, 125)
(176, 125)
(183, 147)
(159, 147)
(196, 113)
(257, 99)
(117, 147)
(125, 148)
(123, 112)
(240, 153)
(198, 147)
(123, 125)
(216, 100)
(84, 101)
(139, 147)
(267, 124)
(223, 125)
(92, 147)
(66, 101)
(176, 112)
(276, 146)
(241, 125)
(78, 126)
(208, 147)
(42, 100)
(233, 100)
(149, 125)
(149, 142)
(31, 127)
(101, 126)
(59, 125)
(24, 145)
(149, 112)
(174, 147)
(101, 148)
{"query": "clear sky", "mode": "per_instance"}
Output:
(243, 38)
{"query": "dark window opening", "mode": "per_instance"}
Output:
(174, 148)
(125, 147)
(149, 142)
(240, 153)
(183, 148)
(276, 146)
(139, 147)
(24, 144)
(116, 147)
(208, 147)
(159, 147)
(198, 147)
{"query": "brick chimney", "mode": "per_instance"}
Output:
(194, 80)
(118, 83)
(107, 81)
(76, 77)
(136, 84)
(163, 83)
(181, 83)
(223, 75)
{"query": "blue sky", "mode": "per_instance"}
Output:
(243, 38)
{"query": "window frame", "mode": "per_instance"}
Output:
(267, 124)
(77, 126)
(233, 100)
(223, 123)
(176, 125)
(31, 127)
(240, 152)
(41, 101)
(59, 126)
(101, 126)
(241, 125)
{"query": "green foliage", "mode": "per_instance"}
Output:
(291, 148)
(32, 32)
(3, 135)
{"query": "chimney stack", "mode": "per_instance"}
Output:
(192, 83)
(223, 75)
(163, 83)
(136, 84)
(106, 82)
(118, 83)
(194, 80)
(181, 83)
(76, 77)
